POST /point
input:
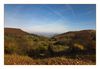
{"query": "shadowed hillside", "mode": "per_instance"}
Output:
(84, 40)
(78, 45)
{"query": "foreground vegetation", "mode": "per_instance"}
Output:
(69, 48)
(25, 60)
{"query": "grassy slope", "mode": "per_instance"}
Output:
(24, 45)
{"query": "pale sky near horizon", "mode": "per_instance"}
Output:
(56, 18)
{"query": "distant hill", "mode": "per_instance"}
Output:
(45, 34)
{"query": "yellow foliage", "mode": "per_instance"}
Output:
(79, 46)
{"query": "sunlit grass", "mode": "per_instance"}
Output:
(25, 60)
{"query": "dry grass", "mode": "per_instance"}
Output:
(25, 60)
(17, 60)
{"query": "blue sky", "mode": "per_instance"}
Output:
(55, 18)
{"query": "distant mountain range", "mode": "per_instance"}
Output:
(49, 35)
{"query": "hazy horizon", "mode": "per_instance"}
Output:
(46, 34)
(50, 18)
